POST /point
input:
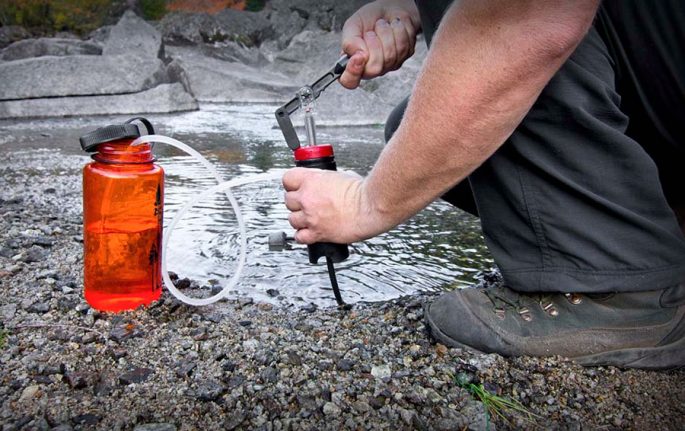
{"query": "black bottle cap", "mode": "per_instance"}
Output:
(114, 132)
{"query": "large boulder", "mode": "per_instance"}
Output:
(134, 36)
(29, 48)
(78, 75)
(328, 15)
(213, 80)
(163, 98)
(246, 28)
(12, 33)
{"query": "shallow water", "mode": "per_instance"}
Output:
(441, 246)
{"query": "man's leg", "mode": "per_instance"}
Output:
(572, 204)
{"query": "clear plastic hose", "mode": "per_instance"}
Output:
(222, 186)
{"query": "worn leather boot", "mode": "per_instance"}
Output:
(635, 329)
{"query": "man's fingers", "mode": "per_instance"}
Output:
(305, 236)
(374, 65)
(387, 39)
(402, 43)
(292, 201)
(293, 178)
(354, 71)
(297, 220)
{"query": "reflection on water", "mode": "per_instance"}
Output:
(439, 246)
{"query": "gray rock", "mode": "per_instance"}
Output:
(155, 427)
(330, 409)
(12, 33)
(246, 28)
(29, 48)
(163, 98)
(234, 52)
(34, 254)
(210, 390)
(322, 14)
(77, 380)
(133, 36)
(136, 375)
(39, 308)
(213, 80)
(381, 371)
(78, 75)
(8, 311)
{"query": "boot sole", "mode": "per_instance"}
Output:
(668, 357)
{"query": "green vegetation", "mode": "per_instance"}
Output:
(48, 16)
(495, 406)
(152, 9)
(254, 5)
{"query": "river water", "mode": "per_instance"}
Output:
(440, 248)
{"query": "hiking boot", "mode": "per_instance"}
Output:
(634, 329)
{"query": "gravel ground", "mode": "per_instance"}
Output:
(245, 365)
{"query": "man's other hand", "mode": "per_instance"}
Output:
(379, 37)
(328, 206)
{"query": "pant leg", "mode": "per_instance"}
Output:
(570, 202)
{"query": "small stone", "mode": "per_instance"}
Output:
(34, 254)
(294, 358)
(29, 393)
(269, 375)
(309, 308)
(345, 365)
(199, 334)
(8, 311)
(244, 302)
(155, 427)
(361, 406)
(381, 371)
(87, 419)
(136, 375)
(89, 337)
(39, 308)
(234, 421)
(185, 368)
(245, 323)
(63, 427)
(330, 409)
(210, 391)
(272, 292)
(125, 331)
(250, 345)
(228, 366)
(407, 416)
(77, 380)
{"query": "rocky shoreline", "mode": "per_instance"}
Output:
(186, 59)
(246, 365)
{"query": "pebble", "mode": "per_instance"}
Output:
(135, 375)
(29, 393)
(381, 371)
(77, 380)
(210, 390)
(330, 409)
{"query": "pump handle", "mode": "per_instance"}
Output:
(284, 112)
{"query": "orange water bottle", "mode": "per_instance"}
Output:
(123, 198)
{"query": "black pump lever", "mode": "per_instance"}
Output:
(284, 112)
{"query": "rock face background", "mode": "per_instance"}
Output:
(191, 58)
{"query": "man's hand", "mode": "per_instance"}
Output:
(328, 206)
(379, 37)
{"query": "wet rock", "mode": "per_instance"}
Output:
(136, 375)
(210, 390)
(134, 36)
(272, 292)
(29, 48)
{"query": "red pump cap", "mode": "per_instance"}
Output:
(313, 152)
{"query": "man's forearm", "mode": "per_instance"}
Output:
(488, 63)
